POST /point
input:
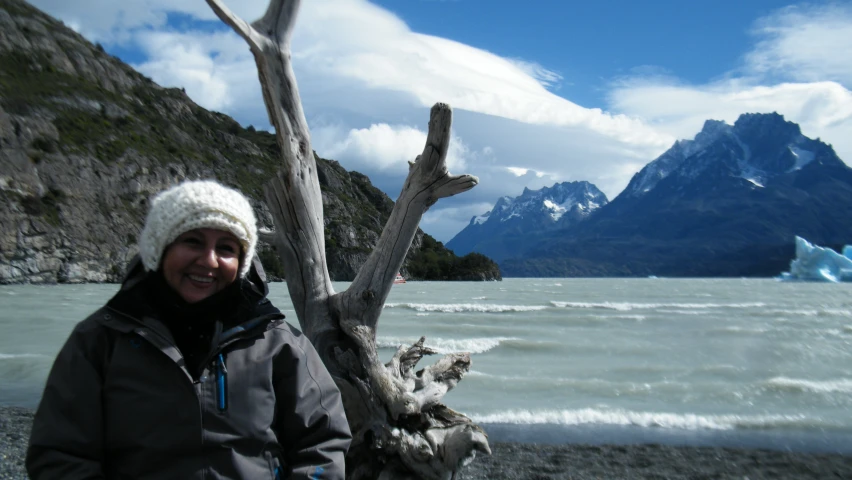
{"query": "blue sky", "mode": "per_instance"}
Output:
(552, 91)
(592, 43)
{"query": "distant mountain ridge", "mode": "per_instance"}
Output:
(727, 203)
(496, 232)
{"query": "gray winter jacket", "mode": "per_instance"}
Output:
(120, 404)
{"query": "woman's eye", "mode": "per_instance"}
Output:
(228, 249)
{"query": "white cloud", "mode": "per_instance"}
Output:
(382, 146)
(797, 68)
(364, 44)
(520, 172)
(110, 21)
(188, 61)
(682, 109)
(546, 77)
(808, 44)
(359, 66)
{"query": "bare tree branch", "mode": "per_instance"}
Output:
(391, 408)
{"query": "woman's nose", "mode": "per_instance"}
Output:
(209, 258)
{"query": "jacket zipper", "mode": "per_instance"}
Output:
(221, 383)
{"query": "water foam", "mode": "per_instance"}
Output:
(448, 345)
(466, 307)
(611, 317)
(800, 312)
(685, 312)
(10, 356)
(627, 306)
(841, 385)
(683, 421)
(745, 330)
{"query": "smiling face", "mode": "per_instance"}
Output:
(201, 262)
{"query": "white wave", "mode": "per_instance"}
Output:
(800, 312)
(638, 318)
(684, 312)
(8, 356)
(421, 314)
(684, 421)
(753, 330)
(479, 298)
(450, 345)
(847, 328)
(793, 312)
(626, 306)
(466, 307)
(842, 385)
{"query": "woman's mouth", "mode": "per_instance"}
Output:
(203, 281)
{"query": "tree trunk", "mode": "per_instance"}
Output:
(400, 429)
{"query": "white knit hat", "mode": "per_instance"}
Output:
(197, 204)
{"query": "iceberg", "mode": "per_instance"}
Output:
(819, 264)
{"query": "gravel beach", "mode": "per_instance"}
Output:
(539, 462)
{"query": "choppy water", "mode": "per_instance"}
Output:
(678, 355)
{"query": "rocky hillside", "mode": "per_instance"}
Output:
(85, 141)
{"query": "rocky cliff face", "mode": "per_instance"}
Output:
(85, 141)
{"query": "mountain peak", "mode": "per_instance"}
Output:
(713, 127)
(766, 127)
(547, 208)
(758, 147)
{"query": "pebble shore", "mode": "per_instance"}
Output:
(527, 461)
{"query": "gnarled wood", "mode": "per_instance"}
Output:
(400, 428)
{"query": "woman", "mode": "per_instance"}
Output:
(189, 371)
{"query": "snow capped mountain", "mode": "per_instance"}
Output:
(549, 208)
(756, 148)
(548, 203)
(727, 203)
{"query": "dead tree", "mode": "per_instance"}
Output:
(400, 428)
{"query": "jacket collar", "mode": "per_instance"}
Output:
(254, 313)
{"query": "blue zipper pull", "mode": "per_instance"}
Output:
(277, 473)
(221, 383)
